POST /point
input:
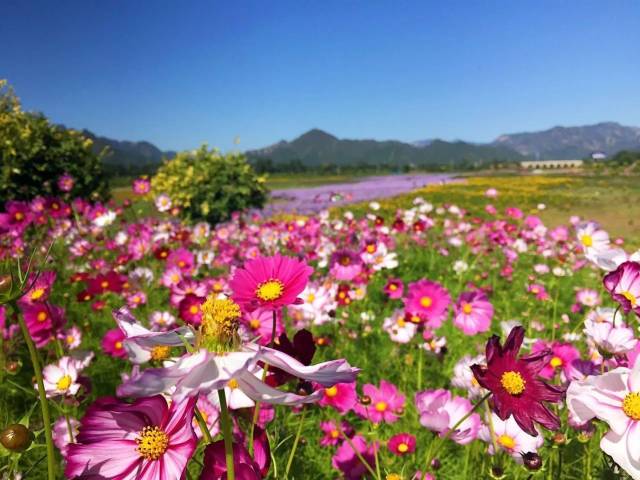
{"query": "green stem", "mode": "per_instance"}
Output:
(203, 425)
(295, 445)
(44, 403)
(225, 424)
(450, 432)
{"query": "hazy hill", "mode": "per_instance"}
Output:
(573, 142)
(316, 147)
(128, 154)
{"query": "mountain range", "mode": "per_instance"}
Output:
(317, 147)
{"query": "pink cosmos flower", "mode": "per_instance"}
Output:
(65, 182)
(588, 297)
(259, 325)
(428, 300)
(61, 378)
(270, 282)
(473, 312)
(624, 286)
(346, 460)
(60, 432)
(402, 444)
(145, 440)
(141, 186)
(561, 360)
(183, 259)
(384, 405)
(112, 343)
(332, 433)
(615, 399)
(341, 396)
(43, 321)
(345, 265)
(394, 288)
(439, 412)
(41, 289)
(539, 291)
(613, 340)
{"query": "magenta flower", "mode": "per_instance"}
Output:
(345, 265)
(346, 460)
(141, 186)
(332, 433)
(515, 385)
(43, 321)
(429, 301)
(41, 289)
(259, 325)
(112, 343)
(342, 397)
(473, 312)
(624, 286)
(65, 182)
(394, 288)
(382, 404)
(245, 467)
(402, 444)
(539, 291)
(183, 259)
(561, 360)
(270, 282)
(145, 440)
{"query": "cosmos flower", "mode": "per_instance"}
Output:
(348, 462)
(440, 412)
(43, 321)
(345, 265)
(221, 361)
(514, 383)
(624, 286)
(383, 404)
(394, 288)
(141, 186)
(65, 182)
(146, 440)
(560, 361)
(398, 328)
(341, 396)
(269, 282)
(61, 379)
(402, 444)
(428, 300)
(510, 438)
(259, 325)
(112, 343)
(613, 397)
(463, 376)
(163, 202)
(473, 312)
(610, 339)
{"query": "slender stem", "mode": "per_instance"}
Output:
(420, 359)
(203, 425)
(256, 410)
(450, 432)
(44, 403)
(225, 424)
(72, 438)
(295, 445)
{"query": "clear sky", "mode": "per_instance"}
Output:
(179, 73)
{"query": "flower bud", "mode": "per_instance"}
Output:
(532, 461)
(559, 438)
(497, 473)
(435, 464)
(16, 437)
(6, 282)
(365, 400)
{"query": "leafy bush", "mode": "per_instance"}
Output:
(208, 185)
(34, 154)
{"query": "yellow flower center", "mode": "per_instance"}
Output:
(152, 443)
(175, 278)
(104, 284)
(311, 297)
(586, 240)
(270, 290)
(37, 293)
(70, 339)
(220, 321)
(64, 383)
(18, 216)
(160, 352)
(393, 287)
(193, 309)
(401, 322)
(371, 248)
(556, 362)
(42, 316)
(507, 442)
(331, 391)
(381, 406)
(118, 345)
(426, 302)
(513, 382)
(631, 406)
(631, 297)
(466, 308)
(233, 384)
(334, 433)
(393, 476)
(403, 447)
(415, 319)
(181, 263)
(254, 323)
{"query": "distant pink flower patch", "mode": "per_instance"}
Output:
(345, 265)
(473, 312)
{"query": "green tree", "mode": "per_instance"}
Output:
(34, 153)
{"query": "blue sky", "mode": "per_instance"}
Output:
(182, 73)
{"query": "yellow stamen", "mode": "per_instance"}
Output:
(220, 321)
(118, 345)
(331, 391)
(64, 383)
(160, 352)
(403, 447)
(334, 433)
(152, 443)
(254, 323)
(42, 316)
(466, 308)
(556, 362)
(507, 442)
(381, 406)
(37, 293)
(631, 406)
(631, 297)
(586, 240)
(270, 290)
(426, 302)
(194, 309)
(513, 382)
(232, 384)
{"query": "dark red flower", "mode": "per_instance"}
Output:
(302, 349)
(517, 390)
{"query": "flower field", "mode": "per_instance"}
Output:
(481, 329)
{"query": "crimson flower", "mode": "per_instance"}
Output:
(514, 383)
